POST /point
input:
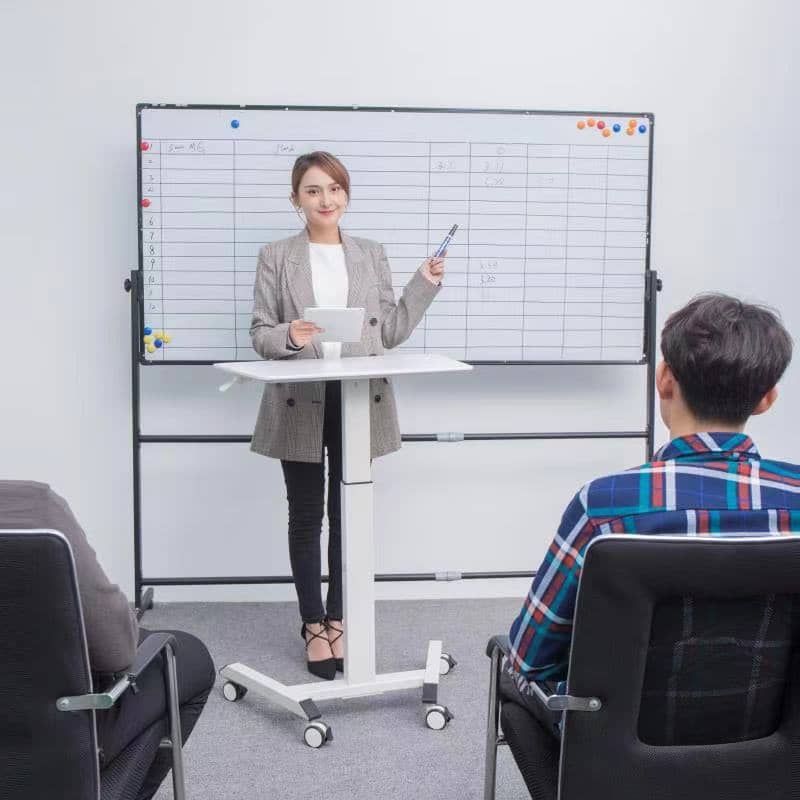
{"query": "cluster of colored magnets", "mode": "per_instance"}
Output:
(154, 340)
(606, 130)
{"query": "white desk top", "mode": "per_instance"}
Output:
(303, 370)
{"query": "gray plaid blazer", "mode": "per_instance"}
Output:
(289, 424)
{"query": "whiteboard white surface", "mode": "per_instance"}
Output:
(548, 263)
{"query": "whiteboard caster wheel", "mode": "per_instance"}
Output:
(316, 734)
(437, 717)
(446, 663)
(232, 691)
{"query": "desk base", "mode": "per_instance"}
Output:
(301, 699)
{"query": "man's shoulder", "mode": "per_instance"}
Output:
(782, 470)
(24, 504)
(621, 493)
(613, 487)
(16, 488)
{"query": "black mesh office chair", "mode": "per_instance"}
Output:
(48, 739)
(683, 677)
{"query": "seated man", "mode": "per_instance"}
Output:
(113, 635)
(721, 362)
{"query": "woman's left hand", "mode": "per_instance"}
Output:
(433, 269)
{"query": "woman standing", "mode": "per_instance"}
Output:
(298, 422)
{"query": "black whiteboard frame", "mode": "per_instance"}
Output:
(134, 285)
(399, 109)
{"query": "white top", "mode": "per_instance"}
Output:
(331, 285)
(312, 369)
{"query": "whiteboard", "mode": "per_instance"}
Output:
(553, 209)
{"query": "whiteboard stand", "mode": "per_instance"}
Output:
(358, 553)
(144, 584)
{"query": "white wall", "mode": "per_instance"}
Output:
(721, 78)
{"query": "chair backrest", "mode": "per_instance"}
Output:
(44, 752)
(691, 645)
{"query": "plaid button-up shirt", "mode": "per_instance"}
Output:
(706, 484)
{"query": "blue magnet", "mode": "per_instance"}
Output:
(158, 342)
(234, 123)
(617, 127)
(642, 129)
(148, 330)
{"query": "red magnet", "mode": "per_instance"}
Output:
(601, 125)
(145, 145)
(145, 202)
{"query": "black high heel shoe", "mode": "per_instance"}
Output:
(329, 627)
(324, 668)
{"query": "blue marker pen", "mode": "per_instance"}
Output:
(443, 246)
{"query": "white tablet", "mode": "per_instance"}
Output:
(338, 324)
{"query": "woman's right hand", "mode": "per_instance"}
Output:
(300, 332)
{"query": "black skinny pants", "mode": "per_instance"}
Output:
(305, 491)
(119, 727)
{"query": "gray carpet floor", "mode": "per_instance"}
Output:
(253, 749)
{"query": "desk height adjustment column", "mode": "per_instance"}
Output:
(358, 548)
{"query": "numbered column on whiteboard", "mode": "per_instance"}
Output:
(151, 211)
(197, 249)
(496, 251)
(446, 320)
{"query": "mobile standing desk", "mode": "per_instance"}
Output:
(358, 555)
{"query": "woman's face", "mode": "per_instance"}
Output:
(322, 200)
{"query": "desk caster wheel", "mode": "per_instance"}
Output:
(232, 691)
(316, 734)
(437, 717)
(446, 663)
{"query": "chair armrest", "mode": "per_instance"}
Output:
(563, 702)
(146, 652)
(552, 702)
(501, 643)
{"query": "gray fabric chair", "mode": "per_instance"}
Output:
(684, 677)
(48, 738)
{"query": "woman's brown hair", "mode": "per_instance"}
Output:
(328, 163)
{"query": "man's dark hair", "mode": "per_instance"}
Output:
(726, 355)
